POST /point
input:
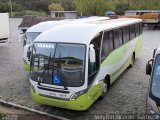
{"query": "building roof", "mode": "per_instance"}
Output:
(143, 11)
(64, 11)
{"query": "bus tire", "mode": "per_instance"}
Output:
(104, 89)
(132, 61)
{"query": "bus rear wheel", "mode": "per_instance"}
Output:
(132, 61)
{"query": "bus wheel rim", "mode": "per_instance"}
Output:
(104, 87)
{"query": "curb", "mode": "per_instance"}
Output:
(2, 102)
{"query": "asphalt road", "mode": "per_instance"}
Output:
(126, 96)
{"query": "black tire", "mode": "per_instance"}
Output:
(105, 89)
(132, 63)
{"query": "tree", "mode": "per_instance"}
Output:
(121, 7)
(68, 5)
(4, 7)
(17, 7)
(90, 7)
(55, 7)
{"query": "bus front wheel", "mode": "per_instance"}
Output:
(105, 88)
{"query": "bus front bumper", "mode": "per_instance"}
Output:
(26, 66)
(80, 104)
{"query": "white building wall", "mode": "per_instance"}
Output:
(71, 15)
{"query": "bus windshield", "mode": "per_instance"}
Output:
(155, 84)
(30, 37)
(58, 64)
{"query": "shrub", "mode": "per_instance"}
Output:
(30, 12)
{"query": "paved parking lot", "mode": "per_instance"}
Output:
(126, 96)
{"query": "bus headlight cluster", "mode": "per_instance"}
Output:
(32, 87)
(76, 95)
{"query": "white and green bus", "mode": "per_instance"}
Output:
(29, 36)
(73, 65)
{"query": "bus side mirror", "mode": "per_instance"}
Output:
(92, 54)
(149, 67)
(27, 53)
(21, 38)
(154, 52)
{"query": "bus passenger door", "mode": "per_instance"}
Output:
(93, 67)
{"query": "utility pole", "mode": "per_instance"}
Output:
(10, 3)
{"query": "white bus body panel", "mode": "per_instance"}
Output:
(4, 23)
(110, 69)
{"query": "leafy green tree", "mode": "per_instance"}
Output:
(121, 6)
(17, 7)
(110, 5)
(68, 5)
(55, 7)
(90, 7)
(4, 7)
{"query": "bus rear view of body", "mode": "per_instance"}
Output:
(73, 65)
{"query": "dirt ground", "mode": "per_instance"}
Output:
(8, 113)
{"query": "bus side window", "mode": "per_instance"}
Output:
(137, 29)
(117, 38)
(125, 34)
(132, 32)
(141, 28)
(107, 44)
(120, 36)
(94, 67)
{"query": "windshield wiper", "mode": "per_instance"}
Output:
(45, 67)
(48, 66)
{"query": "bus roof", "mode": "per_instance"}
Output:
(82, 33)
(44, 26)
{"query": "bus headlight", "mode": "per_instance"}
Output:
(76, 95)
(32, 87)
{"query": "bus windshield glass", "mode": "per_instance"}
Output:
(30, 37)
(155, 86)
(58, 64)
